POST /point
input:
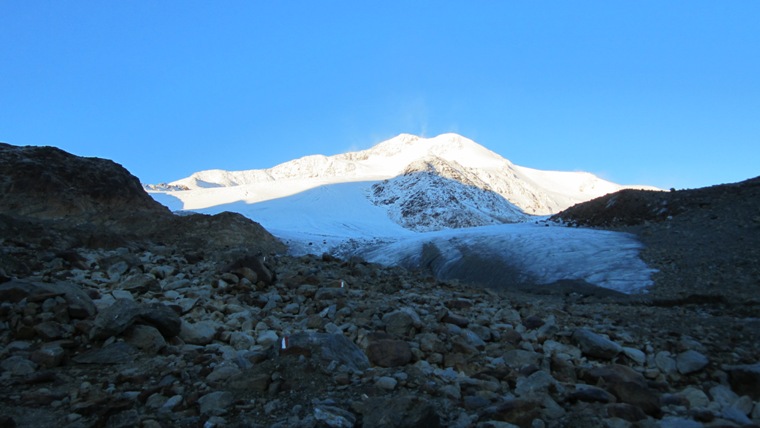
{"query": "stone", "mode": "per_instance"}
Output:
(665, 362)
(386, 382)
(389, 353)
(475, 402)
(291, 308)
(216, 403)
(591, 394)
(242, 273)
(626, 412)
(537, 384)
(637, 395)
(515, 411)
(330, 293)
(49, 330)
(256, 263)
(200, 333)
(453, 392)
(124, 419)
(79, 304)
(222, 373)
(518, 358)
(472, 339)
(735, 415)
(114, 353)
(141, 283)
(334, 416)
(458, 320)
(635, 355)
(677, 422)
(399, 323)
(723, 395)
(241, 341)
(256, 382)
(145, 338)
(691, 362)
(745, 379)
(404, 411)
(561, 350)
(172, 402)
(696, 397)
(18, 366)
(118, 317)
(328, 348)
(429, 342)
(49, 356)
(627, 385)
(594, 345)
(743, 404)
(267, 338)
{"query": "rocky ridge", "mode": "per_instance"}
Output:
(161, 333)
(434, 194)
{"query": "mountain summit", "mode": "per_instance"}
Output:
(447, 181)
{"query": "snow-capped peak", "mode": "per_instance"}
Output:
(453, 156)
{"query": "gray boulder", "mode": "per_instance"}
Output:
(595, 345)
(327, 348)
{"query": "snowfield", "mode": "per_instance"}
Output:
(335, 204)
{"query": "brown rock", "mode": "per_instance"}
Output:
(389, 353)
(455, 319)
(626, 411)
(515, 411)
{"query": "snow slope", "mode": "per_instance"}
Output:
(412, 201)
(534, 192)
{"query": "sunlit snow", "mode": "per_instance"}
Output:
(322, 204)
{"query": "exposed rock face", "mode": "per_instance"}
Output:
(95, 202)
(435, 194)
(48, 183)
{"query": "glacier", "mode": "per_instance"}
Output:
(335, 204)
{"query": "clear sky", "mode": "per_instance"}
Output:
(665, 93)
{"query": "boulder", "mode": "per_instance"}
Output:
(745, 379)
(118, 317)
(401, 322)
(79, 304)
(404, 411)
(216, 403)
(334, 417)
(596, 346)
(199, 333)
(690, 362)
(327, 348)
(519, 412)
(389, 352)
(257, 264)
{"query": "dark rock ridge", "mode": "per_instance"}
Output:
(631, 207)
(48, 195)
(48, 183)
(433, 194)
(705, 242)
(198, 329)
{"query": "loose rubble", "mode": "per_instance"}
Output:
(334, 343)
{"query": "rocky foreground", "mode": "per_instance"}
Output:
(120, 320)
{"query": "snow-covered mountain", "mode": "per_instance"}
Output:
(446, 204)
(427, 184)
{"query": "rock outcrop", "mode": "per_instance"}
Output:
(48, 196)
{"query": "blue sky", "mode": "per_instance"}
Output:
(645, 92)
